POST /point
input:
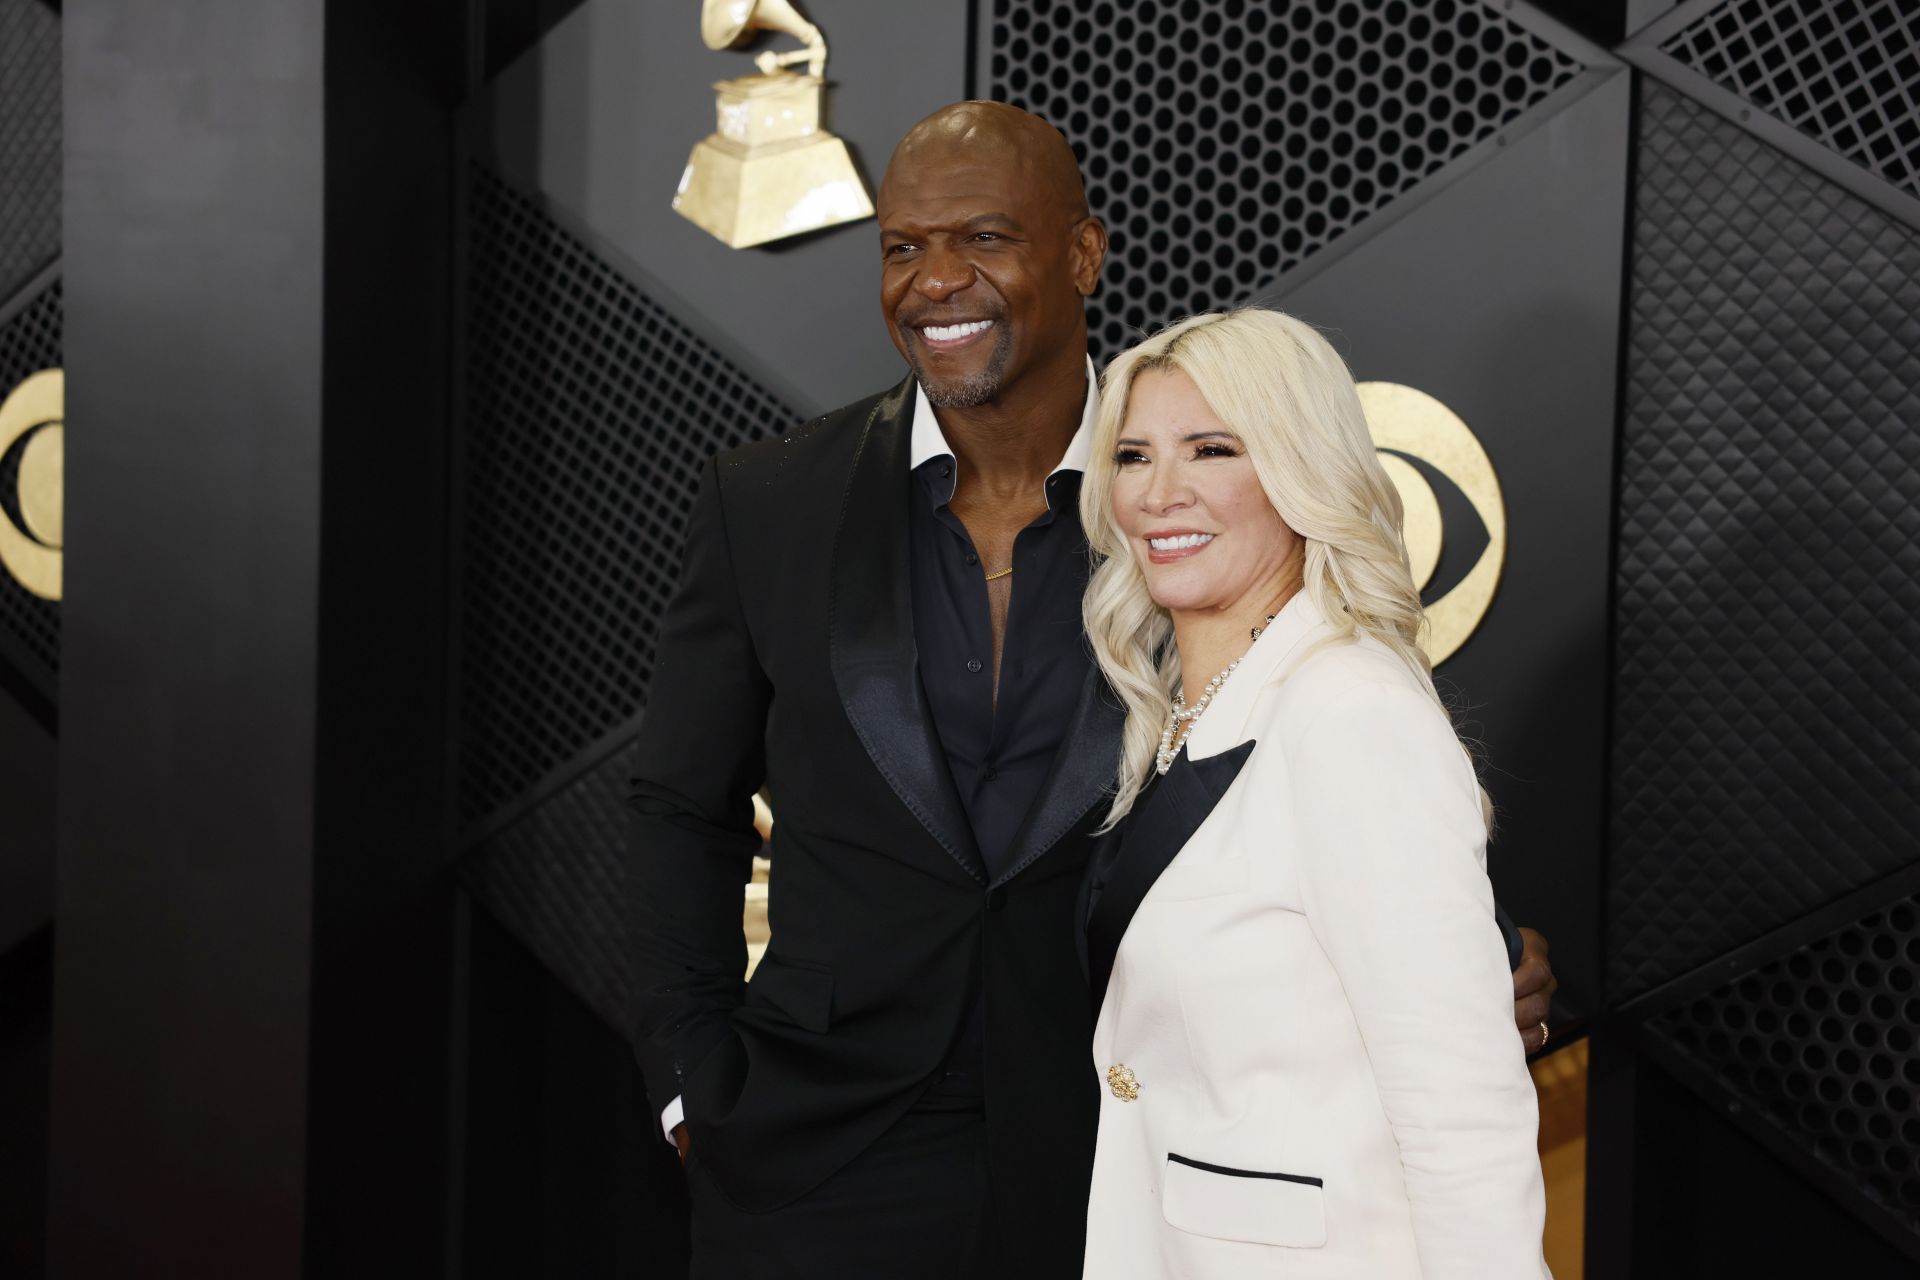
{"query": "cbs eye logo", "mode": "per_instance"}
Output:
(33, 516)
(1415, 432)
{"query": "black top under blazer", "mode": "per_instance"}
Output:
(788, 657)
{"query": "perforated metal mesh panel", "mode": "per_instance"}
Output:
(555, 879)
(29, 141)
(1847, 74)
(1224, 141)
(590, 411)
(29, 343)
(1821, 1043)
(1767, 740)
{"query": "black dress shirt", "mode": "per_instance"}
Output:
(1000, 754)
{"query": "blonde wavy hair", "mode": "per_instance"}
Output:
(1283, 390)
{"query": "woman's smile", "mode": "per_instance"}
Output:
(1177, 544)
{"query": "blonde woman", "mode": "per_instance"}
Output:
(1304, 1029)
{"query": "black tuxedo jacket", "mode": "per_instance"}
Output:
(788, 657)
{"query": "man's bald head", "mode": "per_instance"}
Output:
(996, 134)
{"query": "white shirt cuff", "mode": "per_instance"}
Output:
(674, 1114)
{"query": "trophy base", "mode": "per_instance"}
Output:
(747, 195)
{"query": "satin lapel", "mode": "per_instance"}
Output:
(1082, 774)
(1155, 832)
(870, 632)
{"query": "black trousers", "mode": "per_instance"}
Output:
(916, 1205)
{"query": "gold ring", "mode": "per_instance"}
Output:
(1543, 1037)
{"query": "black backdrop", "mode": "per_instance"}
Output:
(339, 759)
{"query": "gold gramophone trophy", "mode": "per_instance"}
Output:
(769, 170)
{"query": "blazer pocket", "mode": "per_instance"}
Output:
(801, 991)
(1180, 883)
(1285, 1209)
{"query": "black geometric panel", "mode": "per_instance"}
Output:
(1224, 141)
(590, 410)
(1821, 1044)
(555, 877)
(29, 141)
(29, 626)
(1846, 74)
(1767, 731)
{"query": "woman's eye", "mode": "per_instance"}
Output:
(1215, 451)
(1126, 457)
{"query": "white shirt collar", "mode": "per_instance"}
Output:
(929, 442)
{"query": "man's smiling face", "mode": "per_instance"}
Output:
(982, 273)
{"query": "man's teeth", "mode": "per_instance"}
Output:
(948, 332)
(1181, 542)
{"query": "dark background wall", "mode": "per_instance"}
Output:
(396, 338)
(1766, 751)
(31, 316)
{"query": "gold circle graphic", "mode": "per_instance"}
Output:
(1409, 422)
(36, 409)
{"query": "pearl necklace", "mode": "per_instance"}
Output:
(1182, 714)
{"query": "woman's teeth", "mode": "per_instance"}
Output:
(1181, 542)
(948, 332)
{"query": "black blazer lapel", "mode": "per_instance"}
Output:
(870, 631)
(1082, 774)
(1158, 827)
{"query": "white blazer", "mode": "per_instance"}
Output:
(1305, 1045)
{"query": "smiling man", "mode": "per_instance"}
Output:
(879, 619)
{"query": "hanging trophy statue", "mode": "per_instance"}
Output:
(769, 170)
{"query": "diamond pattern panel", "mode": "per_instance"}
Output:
(590, 411)
(1224, 141)
(29, 141)
(1820, 1044)
(555, 878)
(1847, 74)
(1767, 723)
(29, 343)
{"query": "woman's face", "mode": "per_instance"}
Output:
(1187, 497)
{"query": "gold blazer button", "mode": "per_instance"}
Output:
(1121, 1080)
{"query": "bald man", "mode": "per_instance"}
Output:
(879, 619)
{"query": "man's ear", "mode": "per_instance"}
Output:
(1089, 253)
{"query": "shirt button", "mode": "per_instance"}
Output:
(972, 559)
(973, 665)
(992, 774)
